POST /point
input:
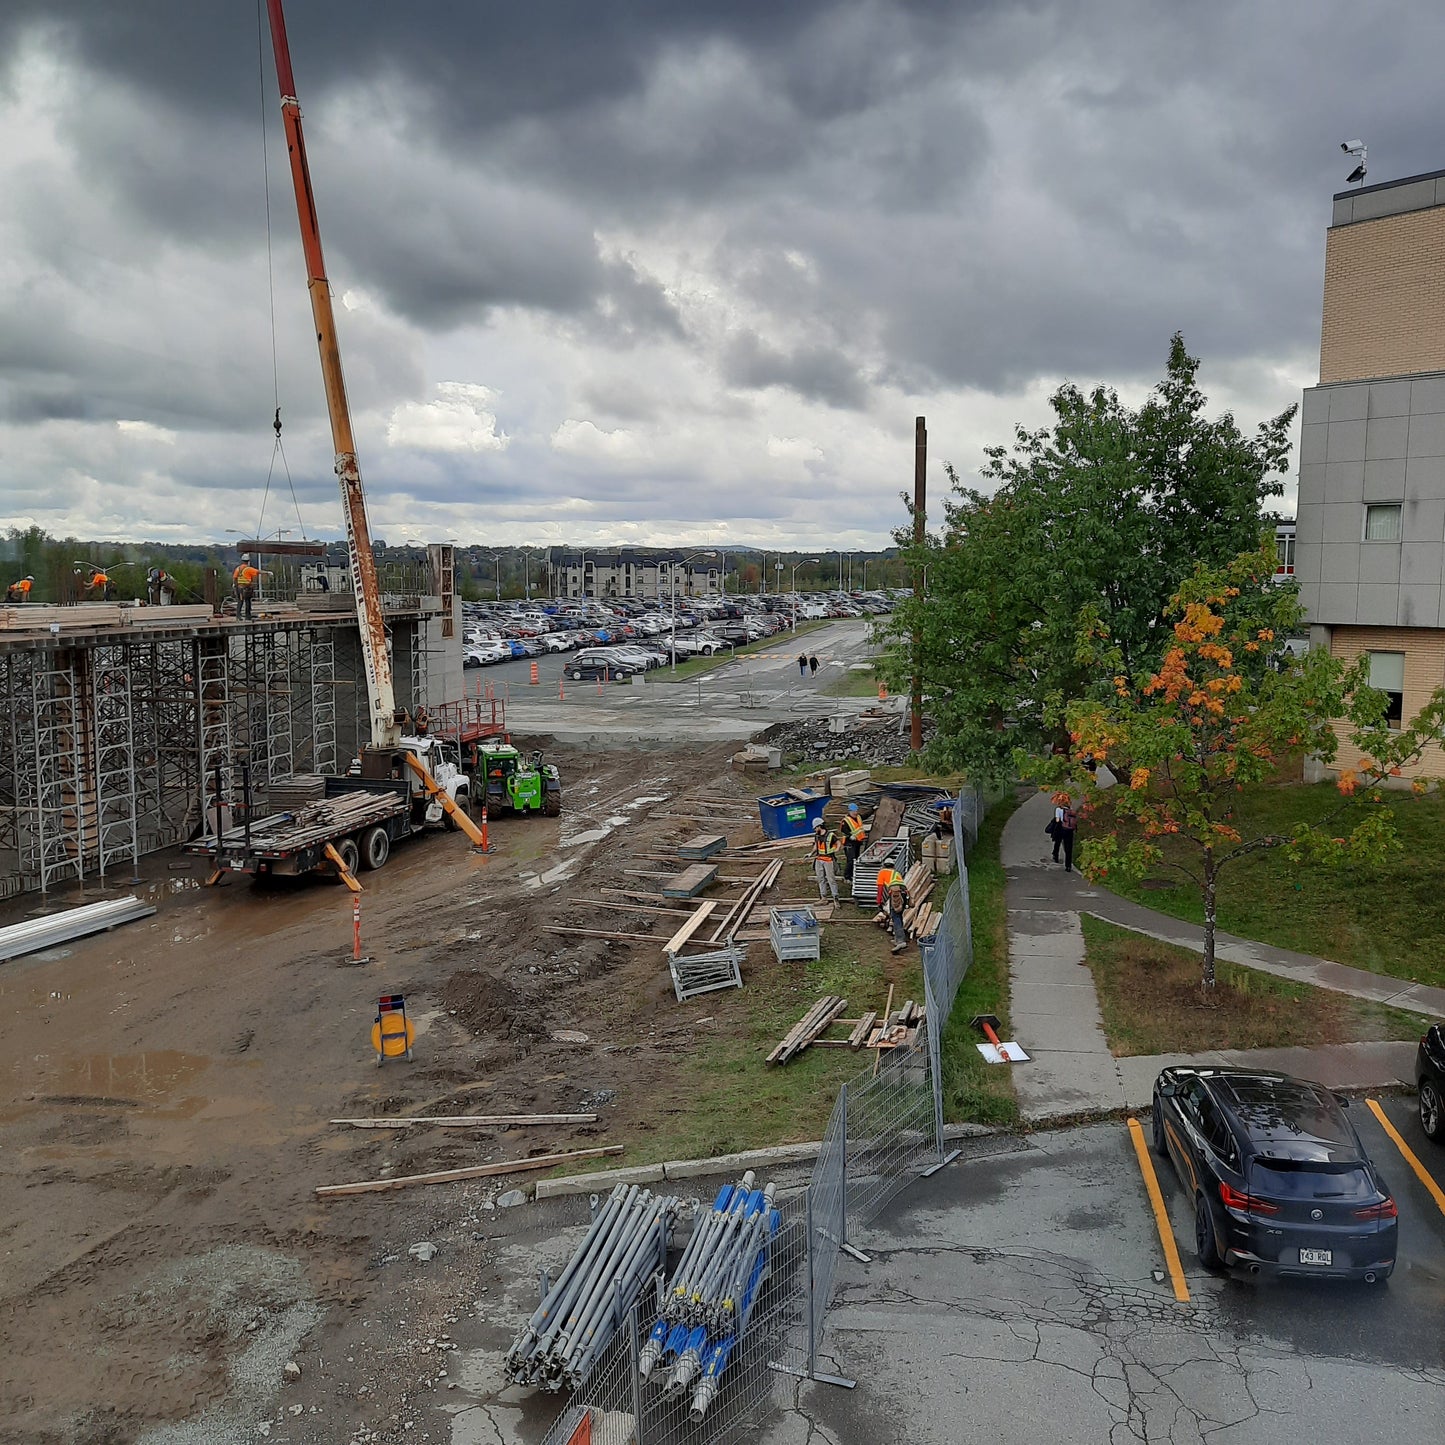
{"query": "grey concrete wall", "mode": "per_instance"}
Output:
(1371, 202)
(1364, 442)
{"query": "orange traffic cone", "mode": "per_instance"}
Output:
(485, 845)
(882, 692)
(561, 688)
(535, 678)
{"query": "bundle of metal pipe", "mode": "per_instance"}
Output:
(625, 1247)
(710, 1299)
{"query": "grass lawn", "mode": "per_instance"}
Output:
(853, 682)
(695, 666)
(1388, 919)
(1152, 1003)
(973, 1090)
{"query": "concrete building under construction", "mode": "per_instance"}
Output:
(120, 723)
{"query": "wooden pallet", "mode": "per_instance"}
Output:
(808, 1028)
(702, 847)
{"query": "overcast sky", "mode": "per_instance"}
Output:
(652, 271)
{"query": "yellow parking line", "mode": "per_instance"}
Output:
(1421, 1172)
(1161, 1215)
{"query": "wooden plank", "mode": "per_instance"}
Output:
(651, 911)
(809, 1027)
(690, 927)
(475, 1171)
(468, 1121)
(863, 1029)
(691, 881)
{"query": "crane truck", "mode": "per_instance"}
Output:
(399, 783)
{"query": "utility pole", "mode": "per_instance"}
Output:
(920, 498)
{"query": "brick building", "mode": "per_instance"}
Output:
(1370, 529)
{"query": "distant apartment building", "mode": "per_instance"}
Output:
(1369, 548)
(627, 574)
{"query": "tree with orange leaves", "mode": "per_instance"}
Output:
(1227, 706)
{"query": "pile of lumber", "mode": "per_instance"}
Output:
(850, 784)
(889, 1029)
(809, 1028)
(737, 916)
(920, 918)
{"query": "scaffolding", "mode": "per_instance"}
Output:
(120, 741)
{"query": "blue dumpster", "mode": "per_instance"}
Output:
(787, 816)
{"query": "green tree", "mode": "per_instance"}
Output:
(1107, 508)
(1226, 707)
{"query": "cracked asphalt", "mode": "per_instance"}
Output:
(1013, 1298)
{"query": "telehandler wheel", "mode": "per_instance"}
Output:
(551, 804)
(375, 847)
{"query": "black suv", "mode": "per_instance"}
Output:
(1430, 1078)
(1278, 1176)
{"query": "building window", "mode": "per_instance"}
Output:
(1387, 672)
(1382, 522)
(1284, 547)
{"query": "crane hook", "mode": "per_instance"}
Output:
(277, 423)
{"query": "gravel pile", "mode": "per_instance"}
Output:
(877, 744)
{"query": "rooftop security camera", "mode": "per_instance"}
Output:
(1351, 146)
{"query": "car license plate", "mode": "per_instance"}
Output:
(1316, 1256)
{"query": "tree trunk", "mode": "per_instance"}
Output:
(1211, 879)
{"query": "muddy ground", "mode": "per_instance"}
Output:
(165, 1100)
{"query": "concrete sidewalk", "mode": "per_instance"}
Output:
(1055, 1010)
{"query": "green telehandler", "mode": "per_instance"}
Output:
(511, 783)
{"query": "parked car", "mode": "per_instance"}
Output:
(1430, 1079)
(556, 642)
(1279, 1179)
(609, 670)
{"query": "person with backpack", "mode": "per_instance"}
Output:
(1066, 821)
(855, 834)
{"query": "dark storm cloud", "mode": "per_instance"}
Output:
(818, 373)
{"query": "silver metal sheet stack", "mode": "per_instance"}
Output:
(291, 794)
(697, 973)
(57, 928)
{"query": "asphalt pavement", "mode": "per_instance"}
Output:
(734, 700)
(1022, 1295)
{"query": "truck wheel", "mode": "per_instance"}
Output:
(375, 847)
(552, 804)
(350, 854)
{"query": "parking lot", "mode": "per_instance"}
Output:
(1023, 1293)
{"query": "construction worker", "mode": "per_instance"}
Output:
(99, 583)
(824, 860)
(854, 836)
(893, 900)
(19, 591)
(160, 587)
(244, 577)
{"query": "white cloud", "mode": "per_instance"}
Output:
(145, 431)
(459, 420)
(585, 439)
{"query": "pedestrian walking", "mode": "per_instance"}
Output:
(813, 665)
(893, 900)
(1066, 822)
(244, 577)
(854, 835)
(824, 860)
(802, 664)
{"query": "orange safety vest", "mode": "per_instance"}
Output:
(854, 824)
(887, 878)
(825, 847)
(245, 575)
(100, 580)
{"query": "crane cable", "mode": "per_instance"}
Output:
(277, 449)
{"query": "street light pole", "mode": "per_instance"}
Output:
(527, 571)
(496, 558)
(672, 577)
(796, 565)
